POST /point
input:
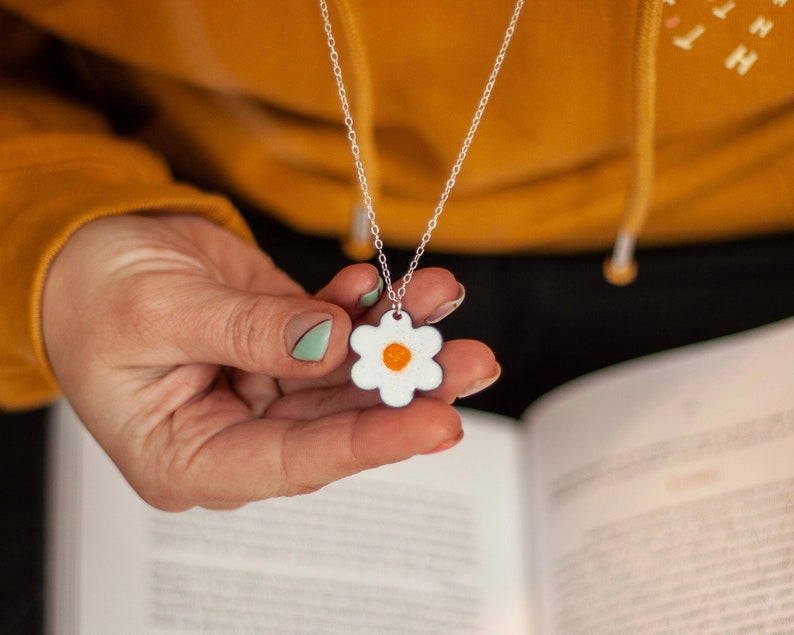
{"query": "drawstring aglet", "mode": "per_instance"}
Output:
(621, 268)
(359, 245)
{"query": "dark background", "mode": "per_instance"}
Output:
(22, 466)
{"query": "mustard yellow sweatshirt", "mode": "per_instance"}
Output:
(667, 120)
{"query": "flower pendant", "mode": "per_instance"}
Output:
(396, 358)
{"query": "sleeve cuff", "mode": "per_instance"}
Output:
(50, 186)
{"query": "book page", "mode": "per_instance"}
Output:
(427, 546)
(665, 489)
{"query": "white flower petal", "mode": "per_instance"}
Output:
(429, 376)
(366, 375)
(363, 337)
(426, 340)
(396, 394)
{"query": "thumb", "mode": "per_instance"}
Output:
(279, 336)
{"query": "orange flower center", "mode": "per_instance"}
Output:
(396, 357)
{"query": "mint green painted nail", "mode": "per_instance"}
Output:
(312, 345)
(368, 299)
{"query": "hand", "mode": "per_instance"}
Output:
(172, 339)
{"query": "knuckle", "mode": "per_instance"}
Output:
(251, 334)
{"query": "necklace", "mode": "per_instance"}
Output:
(397, 358)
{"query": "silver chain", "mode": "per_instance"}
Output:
(397, 296)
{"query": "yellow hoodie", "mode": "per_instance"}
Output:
(672, 120)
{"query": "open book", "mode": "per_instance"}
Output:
(652, 497)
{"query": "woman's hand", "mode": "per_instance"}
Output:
(174, 340)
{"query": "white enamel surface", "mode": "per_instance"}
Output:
(396, 387)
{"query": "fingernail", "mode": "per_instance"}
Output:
(448, 307)
(446, 445)
(307, 336)
(482, 384)
(369, 299)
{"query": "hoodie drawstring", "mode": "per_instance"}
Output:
(359, 244)
(621, 267)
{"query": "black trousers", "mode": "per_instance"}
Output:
(549, 319)
(552, 318)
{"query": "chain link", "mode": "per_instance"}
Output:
(397, 296)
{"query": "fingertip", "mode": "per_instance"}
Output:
(483, 383)
(446, 445)
(434, 292)
(354, 288)
(318, 339)
(443, 280)
(293, 338)
(469, 367)
(370, 298)
(360, 275)
(307, 335)
(388, 435)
